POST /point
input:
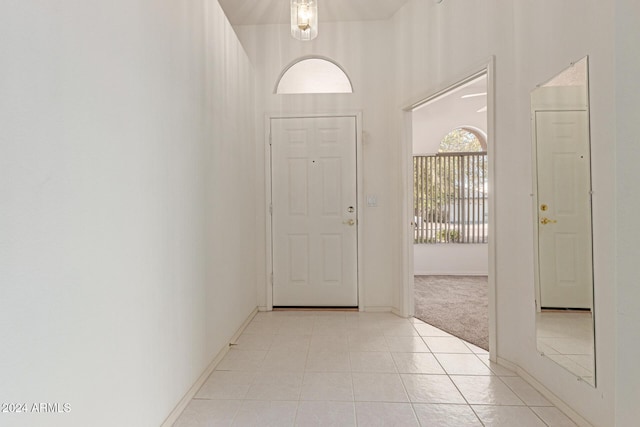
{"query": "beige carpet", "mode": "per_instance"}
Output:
(456, 304)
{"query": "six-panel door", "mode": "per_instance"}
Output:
(314, 196)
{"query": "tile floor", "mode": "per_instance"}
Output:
(366, 369)
(567, 339)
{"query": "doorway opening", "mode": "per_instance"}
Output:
(450, 250)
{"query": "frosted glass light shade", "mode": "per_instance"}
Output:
(304, 19)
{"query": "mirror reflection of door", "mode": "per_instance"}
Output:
(564, 219)
(562, 214)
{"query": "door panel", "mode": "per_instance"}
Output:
(314, 230)
(564, 231)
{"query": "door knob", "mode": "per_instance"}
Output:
(546, 221)
(350, 222)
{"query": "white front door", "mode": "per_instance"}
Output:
(564, 209)
(314, 197)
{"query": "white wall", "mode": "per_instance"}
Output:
(439, 43)
(627, 206)
(451, 259)
(363, 50)
(113, 180)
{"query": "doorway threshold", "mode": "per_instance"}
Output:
(315, 308)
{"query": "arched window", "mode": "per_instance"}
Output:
(313, 75)
(463, 140)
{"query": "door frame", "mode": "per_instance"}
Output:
(407, 301)
(268, 199)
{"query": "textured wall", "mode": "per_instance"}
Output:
(627, 204)
(119, 163)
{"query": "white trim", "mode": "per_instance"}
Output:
(268, 198)
(544, 391)
(555, 400)
(491, 152)
(534, 207)
(357, 115)
(506, 364)
(361, 206)
(180, 407)
(488, 68)
(450, 273)
(407, 296)
(381, 309)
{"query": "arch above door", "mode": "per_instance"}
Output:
(313, 74)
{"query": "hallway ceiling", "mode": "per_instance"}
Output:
(256, 12)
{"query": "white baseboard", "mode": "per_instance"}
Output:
(378, 309)
(507, 364)
(450, 273)
(544, 391)
(180, 407)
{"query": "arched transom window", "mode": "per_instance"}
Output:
(313, 75)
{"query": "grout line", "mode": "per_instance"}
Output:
(459, 391)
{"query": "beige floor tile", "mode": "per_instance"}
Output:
(446, 345)
(208, 413)
(426, 330)
(463, 364)
(507, 416)
(369, 387)
(242, 360)
(338, 414)
(377, 369)
(368, 343)
(407, 344)
(372, 361)
(226, 385)
(446, 415)
(385, 414)
(328, 343)
(327, 386)
(431, 389)
(284, 361)
(417, 363)
(328, 361)
(485, 390)
(262, 413)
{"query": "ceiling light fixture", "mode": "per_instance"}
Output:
(304, 19)
(473, 95)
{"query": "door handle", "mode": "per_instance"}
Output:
(350, 222)
(545, 221)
